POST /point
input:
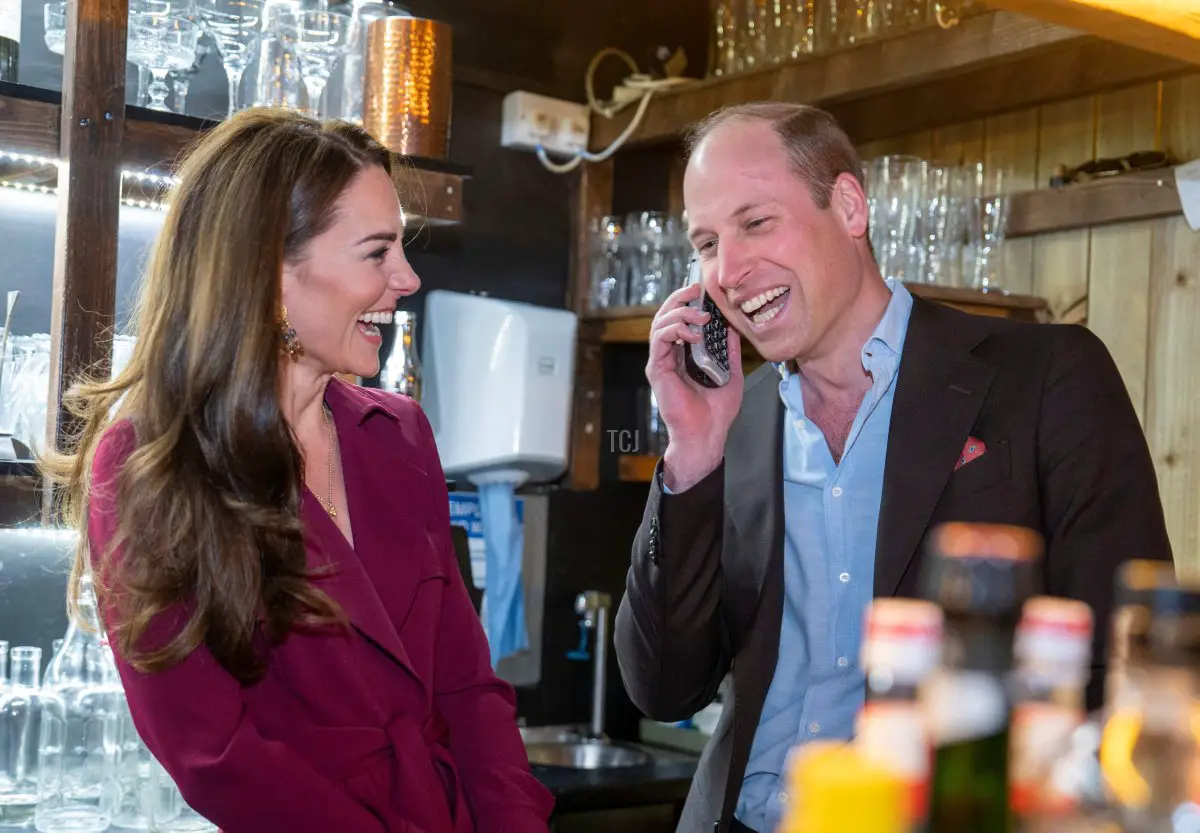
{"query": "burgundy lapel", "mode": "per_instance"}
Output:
(342, 576)
(939, 390)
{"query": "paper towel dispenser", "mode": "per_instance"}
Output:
(498, 377)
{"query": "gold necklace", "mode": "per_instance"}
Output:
(329, 429)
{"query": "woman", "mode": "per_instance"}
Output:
(272, 545)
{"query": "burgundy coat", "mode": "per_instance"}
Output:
(397, 724)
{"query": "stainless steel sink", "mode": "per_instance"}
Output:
(583, 753)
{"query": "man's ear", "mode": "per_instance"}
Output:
(849, 202)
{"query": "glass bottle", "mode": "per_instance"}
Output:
(1053, 656)
(3, 665)
(277, 81)
(901, 648)
(78, 788)
(403, 371)
(980, 575)
(1149, 750)
(20, 716)
(354, 64)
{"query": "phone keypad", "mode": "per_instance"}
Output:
(716, 334)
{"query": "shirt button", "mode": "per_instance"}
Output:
(843, 662)
(844, 577)
(813, 728)
(782, 797)
(837, 491)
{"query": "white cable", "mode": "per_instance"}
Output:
(565, 167)
(648, 87)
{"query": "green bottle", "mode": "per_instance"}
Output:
(980, 575)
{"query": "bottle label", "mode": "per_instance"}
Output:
(961, 706)
(10, 20)
(1040, 734)
(894, 736)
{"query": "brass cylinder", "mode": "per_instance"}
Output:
(407, 88)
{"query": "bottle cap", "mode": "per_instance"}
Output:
(1157, 617)
(982, 569)
(903, 638)
(1055, 633)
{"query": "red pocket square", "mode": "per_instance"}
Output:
(973, 448)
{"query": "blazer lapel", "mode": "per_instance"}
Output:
(754, 491)
(940, 389)
(340, 573)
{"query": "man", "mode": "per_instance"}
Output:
(786, 500)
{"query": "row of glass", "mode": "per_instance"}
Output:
(930, 222)
(70, 756)
(747, 35)
(25, 385)
(293, 47)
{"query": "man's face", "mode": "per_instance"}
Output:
(781, 269)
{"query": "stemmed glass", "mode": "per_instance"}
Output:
(321, 39)
(234, 25)
(162, 43)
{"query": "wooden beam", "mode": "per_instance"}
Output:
(988, 63)
(586, 416)
(1125, 198)
(1123, 26)
(91, 132)
(591, 199)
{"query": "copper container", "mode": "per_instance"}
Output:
(406, 91)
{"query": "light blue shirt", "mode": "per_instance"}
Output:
(831, 513)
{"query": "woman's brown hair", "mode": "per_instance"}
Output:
(209, 499)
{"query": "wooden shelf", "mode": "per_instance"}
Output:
(632, 325)
(636, 468)
(918, 80)
(430, 189)
(1145, 195)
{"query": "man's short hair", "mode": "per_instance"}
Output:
(819, 149)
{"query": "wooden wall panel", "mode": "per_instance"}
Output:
(1066, 136)
(1173, 392)
(1010, 152)
(959, 144)
(1181, 117)
(1119, 272)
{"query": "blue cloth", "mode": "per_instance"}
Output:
(504, 545)
(830, 517)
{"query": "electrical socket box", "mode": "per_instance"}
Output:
(561, 127)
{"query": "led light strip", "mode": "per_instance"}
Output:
(35, 161)
(46, 189)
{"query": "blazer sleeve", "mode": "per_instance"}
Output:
(1100, 498)
(479, 707)
(193, 720)
(672, 641)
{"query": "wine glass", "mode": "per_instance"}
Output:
(162, 43)
(322, 37)
(234, 25)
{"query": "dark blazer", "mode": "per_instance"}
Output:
(397, 724)
(1065, 455)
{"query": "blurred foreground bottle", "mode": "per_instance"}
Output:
(833, 787)
(980, 575)
(901, 648)
(1053, 656)
(1149, 747)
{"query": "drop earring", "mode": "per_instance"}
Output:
(291, 342)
